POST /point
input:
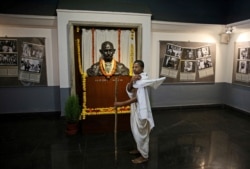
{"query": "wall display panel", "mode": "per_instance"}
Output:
(187, 62)
(22, 62)
(241, 70)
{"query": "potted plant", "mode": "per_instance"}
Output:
(72, 114)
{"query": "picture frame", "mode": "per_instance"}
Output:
(187, 62)
(241, 67)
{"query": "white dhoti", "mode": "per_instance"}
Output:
(141, 118)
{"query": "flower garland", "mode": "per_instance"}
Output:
(112, 70)
(83, 114)
(107, 110)
(93, 45)
(131, 53)
(131, 59)
(119, 45)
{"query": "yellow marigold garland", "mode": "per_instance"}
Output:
(131, 53)
(93, 45)
(83, 114)
(107, 110)
(131, 59)
(119, 45)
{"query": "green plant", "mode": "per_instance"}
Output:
(72, 109)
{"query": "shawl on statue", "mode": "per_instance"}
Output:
(144, 108)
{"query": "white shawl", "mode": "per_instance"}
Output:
(144, 108)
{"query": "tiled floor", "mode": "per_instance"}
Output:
(204, 138)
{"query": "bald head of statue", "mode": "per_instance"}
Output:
(107, 50)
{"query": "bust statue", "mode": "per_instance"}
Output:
(107, 66)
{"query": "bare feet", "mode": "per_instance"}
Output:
(139, 160)
(134, 152)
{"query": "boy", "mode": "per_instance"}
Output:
(141, 119)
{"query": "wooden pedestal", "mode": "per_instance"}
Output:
(99, 100)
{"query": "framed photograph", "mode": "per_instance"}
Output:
(8, 58)
(241, 69)
(187, 62)
(31, 62)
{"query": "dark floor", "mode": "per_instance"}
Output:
(200, 138)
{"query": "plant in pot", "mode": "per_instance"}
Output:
(72, 114)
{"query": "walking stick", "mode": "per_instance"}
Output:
(115, 128)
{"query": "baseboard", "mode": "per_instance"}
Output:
(240, 111)
(210, 106)
(200, 107)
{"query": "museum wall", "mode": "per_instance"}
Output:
(222, 91)
(50, 98)
(236, 94)
(188, 93)
(24, 98)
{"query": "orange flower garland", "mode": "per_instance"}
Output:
(93, 45)
(119, 45)
(102, 67)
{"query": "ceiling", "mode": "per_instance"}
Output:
(191, 11)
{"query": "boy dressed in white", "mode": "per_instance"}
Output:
(141, 119)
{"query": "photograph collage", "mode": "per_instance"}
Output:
(187, 64)
(31, 59)
(22, 61)
(8, 58)
(243, 65)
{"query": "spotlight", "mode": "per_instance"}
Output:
(229, 30)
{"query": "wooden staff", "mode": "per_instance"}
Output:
(115, 128)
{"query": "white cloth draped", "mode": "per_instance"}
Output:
(141, 118)
(143, 98)
(99, 37)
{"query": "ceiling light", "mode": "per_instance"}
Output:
(229, 30)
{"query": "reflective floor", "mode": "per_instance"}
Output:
(200, 138)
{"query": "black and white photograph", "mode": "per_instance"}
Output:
(170, 66)
(8, 45)
(204, 63)
(30, 65)
(8, 59)
(243, 66)
(188, 70)
(188, 54)
(198, 53)
(205, 50)
(32, 50)
(201, 63)
(188, 66)
(243, 53)
(173, 50)
(194, 63)
(171, 62)
(205, 67)
(202, 51)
